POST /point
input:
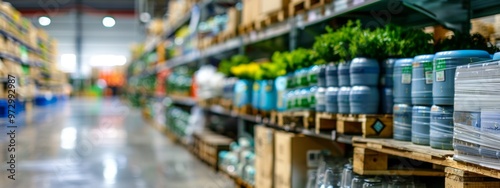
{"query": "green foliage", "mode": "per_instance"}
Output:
(225, 65)
(460, 41)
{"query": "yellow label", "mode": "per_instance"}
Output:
(268, 88)
(416, 64)
(256, 86)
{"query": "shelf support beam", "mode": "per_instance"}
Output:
(458, 20)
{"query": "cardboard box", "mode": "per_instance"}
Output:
(251, 11)
(264, 157)
(233, 20)
(295, 155)
(273, 6)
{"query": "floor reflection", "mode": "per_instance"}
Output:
(99, 143)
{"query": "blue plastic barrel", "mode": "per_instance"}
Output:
(332, 75)
(387, 71)
(312, 75)
(331, 95)
(280, 85)
(420, 125)
(386, 100)
(242, 93)
(402, 81)
(343, 74)
(402, 122)
(256, 94)
(364, 72)
(343, 100)
(312, 97)
(421, 86)
(321, 99)
(496, 56)
(322, 76)
(267, 95)
(441, 127)
(4, 108)
(445, 63)
(364, 100)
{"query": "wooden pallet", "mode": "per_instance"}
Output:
(208, 145)
(421, 153)
(366, 125)
(226, 104)
(247, 28)
(457, 178)
(297, 119)
(273, 18)
(237, 180)
(246, 109)
(325, 122)
(297, 7)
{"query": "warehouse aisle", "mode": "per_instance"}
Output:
(100, 143)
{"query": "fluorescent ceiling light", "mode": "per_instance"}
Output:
(44, 20)
(108, 21)
(107, 60)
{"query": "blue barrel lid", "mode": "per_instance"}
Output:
(496, 56)
(425, 57)
(403, 62)
(462, 53)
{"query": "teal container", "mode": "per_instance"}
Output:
(386, 100)
(364, 72)
(402, 81)
(301, 77)
(242, 93)
(290, 80)
(321, 99)
(281, 92)
(445, 63)
(441, 127)
(290, 100)
(496, 56)
(364, 100)
(343, 74)
(256, 94)
(304, 97)
(402, 122)
(420, 125)
(332, 95)
(268, 95)
(332, 75)
(343, 100)
(421, 81)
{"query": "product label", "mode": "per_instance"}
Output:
(406, 75)
(256, 87)
(304, 102)
(304, 81)
(280, 99)
(428, 72)
(440, 76)
(312, 100)
(440, 65)
(313, 78)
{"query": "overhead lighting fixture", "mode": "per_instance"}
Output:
(44, 20)
(108, 21)
(107, 60)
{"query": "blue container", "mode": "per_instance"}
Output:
(441, 127)
(322, 76)
(445, 63)
(4, 108)
(290, 80)
(420, 125)
(332, 75)
(421, 86)
(304, 97)
(364, 100)
(290, 100)
(402, 81)
(301, 77)
(343, 74)
(312, 75)
(386, 100)
(332, 94)
(20, 106)
(242, 93)
(321, 99)
(387, 73)
(280, 85)
(43, 100)
(343, 100)
(268, 95)
(402, 122)
(312, 97)
(496, 56)
(364, 72)
(256, 94)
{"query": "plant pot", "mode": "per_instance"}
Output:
(343, 100)
(280, 85)
(364, 72)
(343, 74)
(386, 100)
(364, 100)
(445, 64)
(387, 71)
(421, 86)
(242, 93)
(441, 127)
(402, 81)
(256, 94)
(402, 122)
(332, 95)
(420, 125)
(332, 78)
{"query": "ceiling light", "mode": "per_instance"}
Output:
(108, 21)
(145, 17)
(107, 60)
(44, 20)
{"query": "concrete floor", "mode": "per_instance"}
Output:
(99, 143)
